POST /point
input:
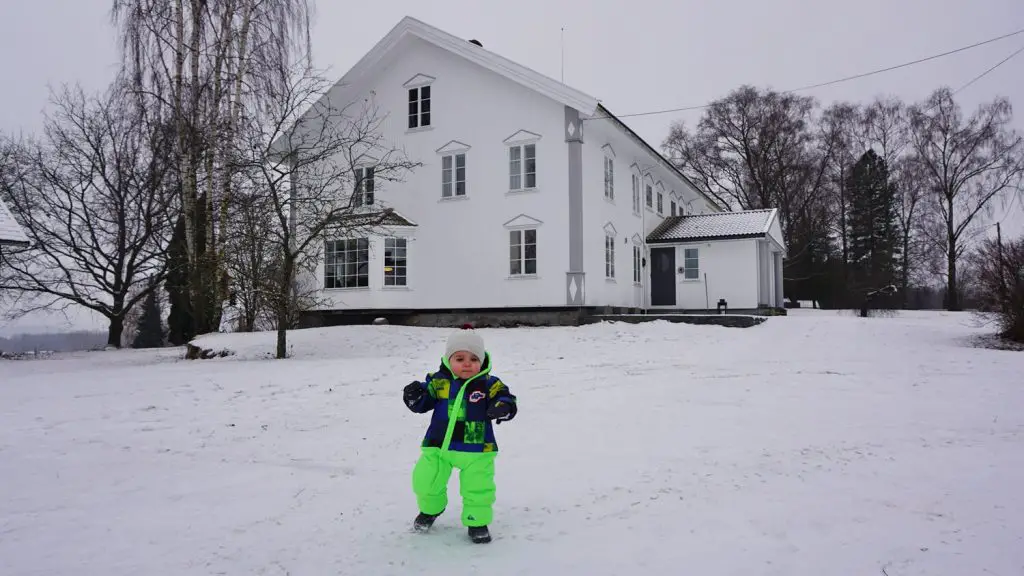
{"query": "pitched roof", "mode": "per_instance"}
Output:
(10, 230)
(713, 226)
(665, 161)
(588, 106)
(532, 79)
(393, 218)
(412, 27)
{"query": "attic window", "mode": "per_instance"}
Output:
(419, 107)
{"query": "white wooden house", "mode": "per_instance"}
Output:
(532, 198)
(11, 233)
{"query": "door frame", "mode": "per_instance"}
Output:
(668, 281)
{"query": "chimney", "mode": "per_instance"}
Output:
(477, 42)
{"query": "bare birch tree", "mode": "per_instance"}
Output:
(93, 197)
(314, 164)
(200, 64)
(965, 163)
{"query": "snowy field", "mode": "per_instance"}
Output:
(813, 444)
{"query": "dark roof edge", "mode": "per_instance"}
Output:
(705, 238)
(661, 157)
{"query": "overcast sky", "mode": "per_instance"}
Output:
(635, 56)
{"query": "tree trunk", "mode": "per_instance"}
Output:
(282, 334)
(115, 331)
(284, 303)
(952, 294)
(905, 276)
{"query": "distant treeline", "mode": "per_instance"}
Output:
(62, 342)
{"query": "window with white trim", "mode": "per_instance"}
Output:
(609, 256)
(347, 263)
(650, 195)
(522, 252)
(364, 188)
(609, 178)
(661, 203)
(419, 107)
(636, 194)
(522, 167)
(636, 264)
(672, 205)
(453, 175)
(396, 265)
(691, 264)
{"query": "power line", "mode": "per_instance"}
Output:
(986, 72)
(854, 77)
(978, 77)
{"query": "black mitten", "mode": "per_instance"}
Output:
(501, 411)
(413, 393)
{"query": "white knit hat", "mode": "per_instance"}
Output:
(468, 340)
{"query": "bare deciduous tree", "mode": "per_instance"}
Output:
(764, 149)
(1000, 284)
(93, 198)
(965, 164)
(199, 64)
(313, 163)
(838, 125)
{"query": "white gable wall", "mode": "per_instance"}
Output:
(459, 253)
(775, 231)
(604, 137)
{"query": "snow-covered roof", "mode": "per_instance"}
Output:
(713, 226)
(393, 218)
(10, 231)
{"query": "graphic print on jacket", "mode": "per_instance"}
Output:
(473, 431)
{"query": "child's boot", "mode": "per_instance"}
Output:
(479, 534)
(424, 521)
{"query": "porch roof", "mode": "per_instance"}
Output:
(713, 226)
(10, 232)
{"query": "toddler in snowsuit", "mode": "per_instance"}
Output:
(464, 397)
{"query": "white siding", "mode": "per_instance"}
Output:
(10, 230)
(629, 157)
(727, 269)
(459, 252)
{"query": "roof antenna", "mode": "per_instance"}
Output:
(563, 54)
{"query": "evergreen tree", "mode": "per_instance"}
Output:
(874, 230)
(150, 331)
(179, 319)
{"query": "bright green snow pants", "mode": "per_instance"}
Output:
(476, 483)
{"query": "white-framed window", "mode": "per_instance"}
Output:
(522, 167)
(396, 263)
(609, 178)
(649, 194)
(691, 264)
(347, 263)
(453, 175)
(364, 188)
(522, 246)
(419, 107)
(661, 203)
(636, 193)
(609, 256)
(672, 205)
(636, 264)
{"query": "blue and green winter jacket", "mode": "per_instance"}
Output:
(473, 431)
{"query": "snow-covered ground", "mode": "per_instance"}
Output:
(813, 444)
